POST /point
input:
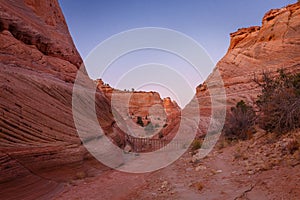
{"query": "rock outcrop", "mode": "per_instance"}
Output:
(274, 45)
(39, 145)
(146, 109)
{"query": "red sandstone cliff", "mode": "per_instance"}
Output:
(162, 115)
(39, 145)
(274, 45)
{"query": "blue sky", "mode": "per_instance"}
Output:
(208, 22)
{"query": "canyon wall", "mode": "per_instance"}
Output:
(272, 46)
(39, 145)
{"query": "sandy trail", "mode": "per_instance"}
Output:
(220, 175)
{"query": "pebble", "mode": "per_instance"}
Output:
(200, 167)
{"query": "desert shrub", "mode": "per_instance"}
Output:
(240, 121)
(279, 102)
(199, 186)
(140, 121)
(160, 135)
(196, 144)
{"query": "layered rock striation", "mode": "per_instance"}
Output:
(275, 45)
(267, 48)
(143, 109)
(39, 145)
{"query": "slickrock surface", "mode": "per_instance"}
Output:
(39, 145)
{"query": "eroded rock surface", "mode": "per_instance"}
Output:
(141, 109)
(272, 46)
(39, 146)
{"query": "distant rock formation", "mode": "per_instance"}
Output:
(144, 109)
(274, 45)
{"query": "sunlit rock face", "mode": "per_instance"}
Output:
(273, 45)
(145, 113)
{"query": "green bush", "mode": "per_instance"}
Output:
(196, 144)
